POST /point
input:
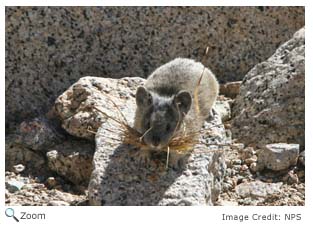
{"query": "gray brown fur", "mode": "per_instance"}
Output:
(164, 99)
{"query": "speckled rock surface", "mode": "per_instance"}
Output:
(28, 144)
(75, 107)
(50, 48)
(270, 105)
(223, 109)
(17, 154)
(258, 189)
(34, 192)
(72, 160)
(245, 186)
(278, 156)
(38, 134)
(120, 178)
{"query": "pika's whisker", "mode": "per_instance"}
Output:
(167, 156)
(144, 134)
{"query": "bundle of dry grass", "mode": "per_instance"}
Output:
(182, 142)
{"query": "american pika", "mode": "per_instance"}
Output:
(166, 101)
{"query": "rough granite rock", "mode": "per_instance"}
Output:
(270, 105)
(120, 178)
(223, 109)
(49, 48)
(16, 154)
(72, 160)
(33, 192)
(278, 156)
(257, 189)
(29, 144)
(37, 134)
(75, 107)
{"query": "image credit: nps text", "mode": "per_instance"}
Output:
(262, 217)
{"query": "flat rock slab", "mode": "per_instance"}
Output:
(257, 189)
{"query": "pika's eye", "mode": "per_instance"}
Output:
(168, 127)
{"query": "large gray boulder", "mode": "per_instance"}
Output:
(270, 105)
(119, 177)
(76, 110)
(50, 48)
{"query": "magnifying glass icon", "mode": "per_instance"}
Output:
(9, 212)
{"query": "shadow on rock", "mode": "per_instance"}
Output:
(128, 181)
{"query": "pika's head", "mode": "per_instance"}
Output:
(160, 116)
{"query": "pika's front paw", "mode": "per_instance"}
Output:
(177, 161)
(143, 157)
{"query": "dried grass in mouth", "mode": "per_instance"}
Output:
(182, 142)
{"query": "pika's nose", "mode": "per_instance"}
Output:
(156, 141)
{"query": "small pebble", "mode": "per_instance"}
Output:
(228, 203)
(253, 167)
(58, 203)
(236, 162)
(51, 182)
(244, 168)
(253, 159)
(227, 186)
(228, 163)
(238, 146)
(14, 185)
(6, 193)
(18, 168)
(29, 194)
(228, 172)
(247, 153)
(237, 167)
(291, 178)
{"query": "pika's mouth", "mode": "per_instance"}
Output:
(157, 148)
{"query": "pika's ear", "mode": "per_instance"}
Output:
(183, 101)
(143, 97)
